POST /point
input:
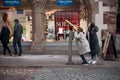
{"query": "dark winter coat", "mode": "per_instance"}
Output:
(94, 43)
(5, 32)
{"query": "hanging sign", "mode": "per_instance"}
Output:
(11, 2)
(20, 11)
(64, 2)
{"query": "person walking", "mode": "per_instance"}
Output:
(5, 36)
(93, 41)
(82, 44)
(17, 35)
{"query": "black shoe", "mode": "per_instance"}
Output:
(10, 54)
(85, 63)
(15, 53)
(19, 55)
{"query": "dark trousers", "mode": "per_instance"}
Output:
(17, 41)
(83, 58)
(93, 56)
(5, 47)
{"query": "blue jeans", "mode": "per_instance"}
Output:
(17, 41)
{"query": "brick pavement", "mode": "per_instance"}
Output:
(53, 67)
(90, 72)
(82, 73)
(15, 73)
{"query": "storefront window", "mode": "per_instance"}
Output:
(23, 19)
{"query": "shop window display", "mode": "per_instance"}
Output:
(27, 27)
(61, 28)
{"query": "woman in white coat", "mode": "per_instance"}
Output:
(82, 44)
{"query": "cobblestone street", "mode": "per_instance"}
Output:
(16, 73)
(83, 73)
(53, 67)
(59, 39)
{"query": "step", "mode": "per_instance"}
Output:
(49, 48)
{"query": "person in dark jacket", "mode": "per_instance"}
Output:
(5, 36)
(93, 41)
(18, 30)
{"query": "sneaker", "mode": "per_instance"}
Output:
(94, 62)
(90, 61)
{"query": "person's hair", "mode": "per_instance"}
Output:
(80, 29)
(92, 25)
(16, 20)
(4, 17)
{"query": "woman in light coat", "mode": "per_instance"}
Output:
(82, 44)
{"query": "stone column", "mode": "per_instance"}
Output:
(38, 13)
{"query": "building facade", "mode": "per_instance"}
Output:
(42, 12)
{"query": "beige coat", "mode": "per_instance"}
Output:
(82, 43)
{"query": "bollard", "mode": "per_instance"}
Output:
(70, 48)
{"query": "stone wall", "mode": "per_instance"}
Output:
(105, 17)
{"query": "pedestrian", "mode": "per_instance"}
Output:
(5, 34)
(93, 41)
(4, 37)
(17, 35)
(82, 44)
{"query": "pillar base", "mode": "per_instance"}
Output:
(37, 46)
(69, 63)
